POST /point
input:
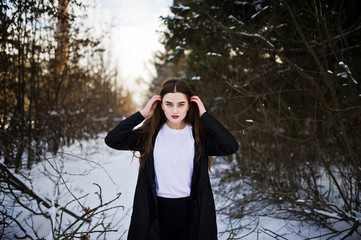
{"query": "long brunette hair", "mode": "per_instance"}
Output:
(153, 123)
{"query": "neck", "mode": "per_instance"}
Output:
(180, 125)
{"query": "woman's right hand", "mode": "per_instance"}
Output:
(148, 109)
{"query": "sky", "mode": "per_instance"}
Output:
(133, 38)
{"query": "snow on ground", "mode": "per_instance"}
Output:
(88, 162)
(91, 162)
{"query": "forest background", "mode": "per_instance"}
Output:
(282, 75)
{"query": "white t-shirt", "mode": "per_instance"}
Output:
(173, 161)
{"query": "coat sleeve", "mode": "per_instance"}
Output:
(123, 136)
(219, 141)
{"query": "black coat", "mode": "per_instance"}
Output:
(217, 141)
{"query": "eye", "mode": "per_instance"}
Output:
(181, 105)
(169, 104)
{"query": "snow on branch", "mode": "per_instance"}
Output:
(256, 35)
(19, 185)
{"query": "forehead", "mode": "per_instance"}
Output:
(175, 97)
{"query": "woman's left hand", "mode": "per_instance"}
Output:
(200, 105)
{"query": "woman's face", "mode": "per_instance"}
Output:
(175, 107)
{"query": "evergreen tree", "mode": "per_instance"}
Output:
(283, 76)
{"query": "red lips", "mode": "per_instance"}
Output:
(175, 116)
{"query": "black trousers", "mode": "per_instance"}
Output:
(174, 218)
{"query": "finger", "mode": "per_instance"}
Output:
(157, 98)
(195, 98)
(198, 102)
(151, 101)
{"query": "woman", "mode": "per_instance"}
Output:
(173, 197)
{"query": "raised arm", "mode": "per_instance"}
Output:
(123, 137)
(220, 142)
(149, 107)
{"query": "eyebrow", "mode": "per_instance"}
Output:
(178, 102)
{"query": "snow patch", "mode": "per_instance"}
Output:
(196, 78)
(214, 54)
(235, 19)
(257, 13)
(181, 7)
(347, 73)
